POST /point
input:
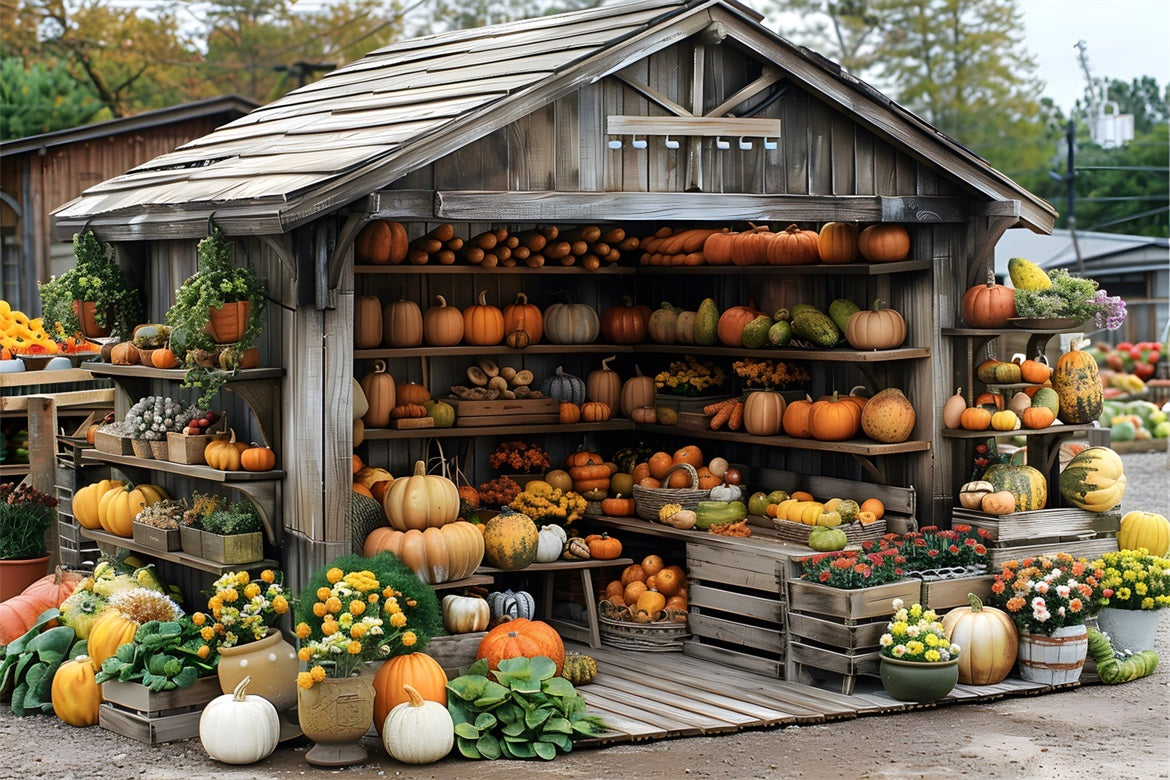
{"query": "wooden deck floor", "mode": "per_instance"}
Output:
(645, 696)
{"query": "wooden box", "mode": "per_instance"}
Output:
(112, 443)
(134, 711)
(188, 450)
(941, 595)
(846, 637)
(233, 548)
(688, 403)
(165, 539)
(191, 540)
(410, 423)
(1062, 523)
(817, 599)
(850, 664)
(455, 652)
(471, 414)
(760, 571)
(855, 532)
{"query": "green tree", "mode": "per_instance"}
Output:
(849, 32)
(42, 98)
(1141, 97)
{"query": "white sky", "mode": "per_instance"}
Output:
(1126, 39)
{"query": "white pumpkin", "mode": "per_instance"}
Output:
(238, 728)
(418, 731)
(550, 541)
(465, 614)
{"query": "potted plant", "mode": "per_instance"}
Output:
(233, 534)
(1071, 298)
(25, 513)
(220, 306)
(151, 419)
(157, 526)
(919, 662)
(354, 611)
(951, 563)
(94, 296)
(1048, 598)
(191, 524)
(240, 624)
(1130, 591)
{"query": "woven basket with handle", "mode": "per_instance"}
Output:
(647, 501)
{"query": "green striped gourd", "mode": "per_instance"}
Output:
(1094, 480)
(1024, 482)
(1078, 387)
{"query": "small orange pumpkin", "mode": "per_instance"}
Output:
(257, 458)
(884, 243)
(569, 412)
(975, 418)
(1036, 417)
(595, 411)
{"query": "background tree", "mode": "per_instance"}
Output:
(848, 32)
(42, 98)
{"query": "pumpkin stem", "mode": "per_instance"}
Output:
(420, 468)
(605, 363)
(877, 304)
(239, 693)
(483, 297)
(521, 298)
(379, 366)
(990, 277)
(793, 229)
(442, 301)
(976, 603)
(416, 699)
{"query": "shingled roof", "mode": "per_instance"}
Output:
(364, 125)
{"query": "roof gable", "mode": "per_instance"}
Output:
(403, 106)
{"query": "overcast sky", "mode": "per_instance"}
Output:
(1126, 39)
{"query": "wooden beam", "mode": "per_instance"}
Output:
(654, 95)
(770, 77)
(705, 126)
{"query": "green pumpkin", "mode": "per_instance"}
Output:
(442, 413)
(1046, 396)
(706, 323)
(579, 668)
(1024, 482)
(825, 539)
(1093, 480)
(848, 510)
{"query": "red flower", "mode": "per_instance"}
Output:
(997, 587)
(824, 575)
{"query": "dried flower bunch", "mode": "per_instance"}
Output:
(768, 373)
(546, 504)
(519, 457)
(689, 377)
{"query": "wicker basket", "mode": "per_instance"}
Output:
(855, 532)
(647, 501)
(660, 636)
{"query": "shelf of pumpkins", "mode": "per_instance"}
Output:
(837, 354)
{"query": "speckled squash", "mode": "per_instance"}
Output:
(510, 541)
(1024, 482)
(1078, 388)
(1093, 480)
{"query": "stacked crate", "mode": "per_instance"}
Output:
(69, 477)
(1069, 530)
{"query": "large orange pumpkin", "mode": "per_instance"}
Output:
(443, 554)
(838, 242)
(988, 305)
(834, 419)
(483, 324)
(884, 243)
(520, 315)
(19, 613)
(381, 241)
(442, 324)
(604, 385)
(732, 322)
(419, 671)
(624, 323)
(795, 421)
(521, 638)
(421, 500)
(794, 247)
(751, 246)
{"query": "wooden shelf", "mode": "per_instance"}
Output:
(820, 269)
(842, 355)
(1052, 430)
(175, 556)
(865, 447)
(497, 430)
(196, 472)
(14, 469)
(42, 377)
(559, 565)
(497, 349)
(1004, 331)
(466, 582)
(177, 374)
(374, 270)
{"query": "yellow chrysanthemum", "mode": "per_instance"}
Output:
(319, 609)
(303, 630)
(207, 633)
(268, 575)
(398, 620)
(304, 654)
(357, 607)
(354, 648)
(372, 598)
(251, 590)
(304, 680)
(215, 603)
(280, 605)
(199, 618)
(334, 575)
(409, 639)
(388, 592)
(329, 627)
(333, 605)
(203, 651)
(358, 630)
(318, 673)
(243, 578)
(230, 595)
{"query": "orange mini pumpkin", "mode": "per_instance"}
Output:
(257, 458)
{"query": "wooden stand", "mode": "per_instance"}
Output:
(134, 711)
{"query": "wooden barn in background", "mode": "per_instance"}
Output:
(638, 114)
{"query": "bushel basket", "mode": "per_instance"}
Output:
(664, 634)
(647, 501)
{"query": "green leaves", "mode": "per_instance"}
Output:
(527, 712)
(30, 662)
(161, 657)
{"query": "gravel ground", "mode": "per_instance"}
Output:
(1091, 733)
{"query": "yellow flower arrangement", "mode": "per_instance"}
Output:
(362, 620)
(1131, 579)
(546, 504)
(916, 634)
(241, 610)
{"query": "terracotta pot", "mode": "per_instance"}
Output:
(272, 664)
(228, 322)
(919, 680)
(16, 575)
(1056, 659)
(86, 311)
(335, 713)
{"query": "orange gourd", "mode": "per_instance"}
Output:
(402, 324)
(521, 638)
(483, 324)
(838, 242)
(604, 547)
(125, 354)
(418, 670)
(751, 246)
(163, 358)
(884, 243)
(380, 242)
(412, 393)
(379, 388)
(436, 555)
(717, 247)
(624, 323)
(988, 305)
(618, 506)
(732, 322)
(1036, 417)
(442, 324)
(19, 613)
(794, 247)
(795, 421)
(975, 418)
(257, 458)
(834, 419)
(604, 385)
(1036, 371)
(367, 322)
(595, 411)
(569, 413)
(520, 315)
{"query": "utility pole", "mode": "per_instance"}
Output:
(1069, 178)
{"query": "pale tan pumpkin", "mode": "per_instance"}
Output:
(402, 324)
(421, 501)
(442, 324)
(763, 413)
(637, 391)
(378, 386)
(878, 328)
(604, 385)
(439, 554)
(367, 322)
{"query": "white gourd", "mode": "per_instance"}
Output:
(418, 731)
(550, 541)
(238, 728)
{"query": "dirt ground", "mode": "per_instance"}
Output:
(1094, 732)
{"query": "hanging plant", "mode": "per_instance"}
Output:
(218, 283)
(96, 278)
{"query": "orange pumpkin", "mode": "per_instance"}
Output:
(884, 243)
(604, 384)
(838, 242)
(595, 411)
(975, 418)
(988, 305)
(717, 247)
(418, 670)
(624, 323)
(1036, 371)
(794, 247)
(19, 613)
(796, 418)
(483, 324)
(442, 324)
(1036, 417)
(521, 638)
(521, 315)
(618, 506)
(604, 547)
(436, 555)
(751, 246)
(379, 388)
(569, 412)
(380, 242)
(732, 322)
(402, 324)
(163, 358)
(834, 419)
(257, 458)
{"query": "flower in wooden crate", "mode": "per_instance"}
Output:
(852, 569)
(689, 377)
(1045, 593)
(935, 548)
(916, 634)
(777, 374)
(362, 609)
(241, 610)
(520, 457)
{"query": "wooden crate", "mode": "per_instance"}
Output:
(817, 599)
(941, 595)
(520, 411)
(164, 539)
(769, 665)
(134, 711)
(762, 571)
(1060, 524)
(1086, 548)
(846, 636)
(850, 664)
(455, 652)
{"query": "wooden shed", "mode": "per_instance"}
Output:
(638, 114)
(41, 172)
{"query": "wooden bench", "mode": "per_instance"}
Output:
(590, 633)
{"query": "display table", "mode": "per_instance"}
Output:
(590, 633)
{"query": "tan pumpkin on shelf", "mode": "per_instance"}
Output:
(953, 410)
(878, 328)
(380, 391)
(604, 385)
(972, 493)
(442, 324)
(224, 454)
(888, 417)
(1001, 502)
(402, 324)
(125, 354)
(421, 500)
(367, 322)
(637, 391)
(763, 413)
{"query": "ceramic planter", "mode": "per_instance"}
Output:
(16, 575)
(919, 680)
(1129, 629)
(86, 311)
(1055, 659)
(228, 322)
(335, 713)
(272, 664)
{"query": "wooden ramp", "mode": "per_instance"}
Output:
(646, 696)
